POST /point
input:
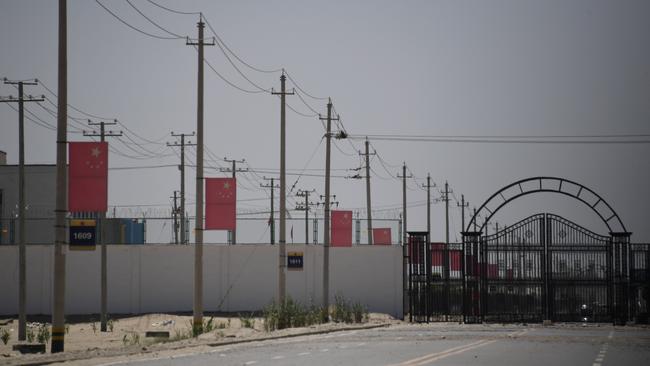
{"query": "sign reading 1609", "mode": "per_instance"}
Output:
(82, 234)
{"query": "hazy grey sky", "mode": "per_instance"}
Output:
(408, 67)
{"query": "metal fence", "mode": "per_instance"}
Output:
(543, 267)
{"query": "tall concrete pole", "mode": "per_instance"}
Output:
(283, 191)
(272, 213)
(183, 230)
(183, 144)
(22, 297)
(305, 207)
(198, 230)
(404, 202)
(234, 170)
(22, 277)
(104, 275)
(272, 219)
(326, 241)
(175, 217)
(368, 203)
(462, 205)
(283, 196)
(405, 245)
(429, 206)
(102, 218)
(306, 217)
(447, 215)
(58, 305)
(404, 242)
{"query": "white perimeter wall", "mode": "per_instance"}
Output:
(159, 278)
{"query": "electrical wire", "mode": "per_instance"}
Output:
(306, 165)
(302, 90)
(494, 141)
(154, 23)
(300, 113)
(38, 122)
(228, 81)
(143, 167)
(70, 105)
(175, 11)
(134, 28)
(305, 103)
(235, 55)
(510, 136)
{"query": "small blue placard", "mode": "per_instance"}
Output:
(295, 260)
(82, 234)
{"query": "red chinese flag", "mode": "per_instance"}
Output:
(220, 203)
(454, 260)
(88, 177)
(341, 234)
(437, 252)
(381, 236)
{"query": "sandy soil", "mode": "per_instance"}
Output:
(128, 332)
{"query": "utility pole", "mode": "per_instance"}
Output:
(58, 298)
(326, 241)
(234, 170)
(272, 220)
(446, 257)
(175, 217)
(462, 206)
(428, 186)
(368, 205)
(102, 216)
(22, 286)
(182, 169)
(446, 199)
(475, 226)
(305, 207)
(197, 325)
(404, 242)
(283, 189)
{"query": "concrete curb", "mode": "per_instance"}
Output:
(80, 356)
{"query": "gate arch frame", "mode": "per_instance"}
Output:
(600, 202)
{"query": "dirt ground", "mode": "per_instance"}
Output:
(83, 334)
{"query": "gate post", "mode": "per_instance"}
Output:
(471, 280)
(621, 247)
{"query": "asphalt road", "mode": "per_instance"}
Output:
(439, 344)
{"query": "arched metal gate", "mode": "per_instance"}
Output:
(542, 268)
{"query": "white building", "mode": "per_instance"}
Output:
(40, 182)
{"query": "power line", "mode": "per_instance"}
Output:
(152, 22)
(300, 113)
(228, 81)
(132, 27)
(235, 55)
(175, 11)
(302, 90)
(496, 141)
(146, 141)
(70, 105)
(144, 167)
(305, 103)
(306, 165)
(511, 136)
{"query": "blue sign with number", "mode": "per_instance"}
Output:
(295, 260)
(82, 234)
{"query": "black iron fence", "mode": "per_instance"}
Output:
(542, 268)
